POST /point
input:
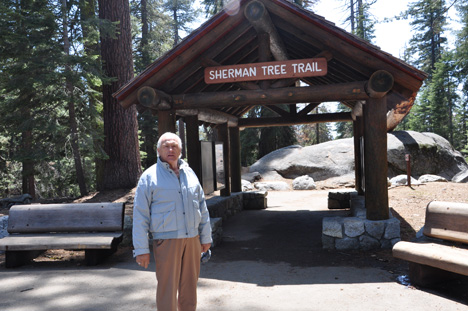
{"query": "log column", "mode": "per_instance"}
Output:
(236, 174)
(375, 145)
(166, 121)
(223, 135)
(358, 126)
(375, 158)
(193, 145)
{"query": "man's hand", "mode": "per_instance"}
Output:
(143, 260)
(205, 247)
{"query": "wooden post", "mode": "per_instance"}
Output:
(375, 158)
(182, 137)
(223, 135)
(408, 169)
(358, 165)
(236, 174)
(166, 121)
(193, 145)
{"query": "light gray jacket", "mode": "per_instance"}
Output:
(169, 207)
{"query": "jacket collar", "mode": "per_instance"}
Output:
(181, 163)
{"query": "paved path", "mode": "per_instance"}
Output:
(270, 260)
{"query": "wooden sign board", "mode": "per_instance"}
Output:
(297, 68)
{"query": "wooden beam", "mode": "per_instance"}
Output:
(210, 116)
(264, 55)
(375, 158)
(258, 16)
(278, 110)
(154, 99)
(307, 109)
(357, 110)
(320, 93)
(379, 84)
(287, 120)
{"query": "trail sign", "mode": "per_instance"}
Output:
(297, 68)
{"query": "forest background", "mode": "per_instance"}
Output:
(63, 135)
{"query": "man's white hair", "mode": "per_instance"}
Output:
(169, 135)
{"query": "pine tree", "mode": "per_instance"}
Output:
(250, 138)
(272, 138)
(29, 56)
(461, 57)
(69, 90)
(360, 19)
(312, 134)
(212, 7)
(182, 13)
(442, 97)
(344, 129)
(428, 22)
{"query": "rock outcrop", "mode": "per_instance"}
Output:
(430, 154)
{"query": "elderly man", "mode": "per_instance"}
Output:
(170, 203)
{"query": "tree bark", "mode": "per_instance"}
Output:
(28, 163)
(122, 169)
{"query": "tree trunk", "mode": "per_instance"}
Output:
(144, 34)
(176, 23)
(71, 108)
(28, 162)
(122, 169)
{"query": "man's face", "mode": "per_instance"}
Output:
(169, 151)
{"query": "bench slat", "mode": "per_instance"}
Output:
(444, 257)
(74, 217)
(447, 221)
(44, 241)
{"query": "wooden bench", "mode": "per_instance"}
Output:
(96, 228)
(443, 253)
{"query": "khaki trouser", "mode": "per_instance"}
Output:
(177, 270)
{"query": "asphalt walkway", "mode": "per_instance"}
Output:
(269, 260)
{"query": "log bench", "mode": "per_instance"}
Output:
(443, 252)
(96, 228)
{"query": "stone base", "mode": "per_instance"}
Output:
(225, 207)
(357, 232)
(340, 199)
(216, 231)
(255, 200)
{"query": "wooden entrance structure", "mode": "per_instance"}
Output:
(379, 88)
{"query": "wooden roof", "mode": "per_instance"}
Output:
(230, 38)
